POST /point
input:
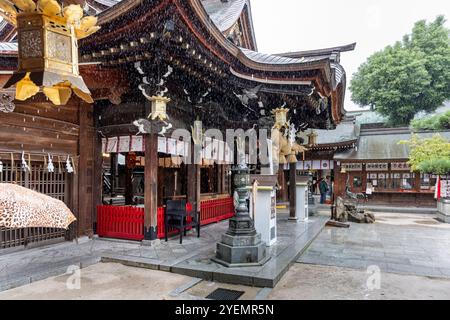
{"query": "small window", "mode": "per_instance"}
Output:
(408, 181)
(396, 181)
(427, 181)
(383, 180)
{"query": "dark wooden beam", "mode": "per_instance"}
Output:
(193, 186)
(292, 193)
(283, 194)
(85, 170)
(97, 177)
(151, 187)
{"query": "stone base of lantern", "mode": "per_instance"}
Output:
(239, 248)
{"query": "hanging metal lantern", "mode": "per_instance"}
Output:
(48, 50)
(159, 107)
(280, 117)
(312, 138)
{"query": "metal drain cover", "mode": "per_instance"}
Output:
(225, 294)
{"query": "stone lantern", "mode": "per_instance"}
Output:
(241, 245)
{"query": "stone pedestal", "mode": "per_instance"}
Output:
(241, 245)
(263, 207)
(301, 189)
(444, 210)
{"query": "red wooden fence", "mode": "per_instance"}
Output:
(216, 210)
(120, 222)
(128, 222)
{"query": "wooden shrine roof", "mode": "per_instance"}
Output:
(300, 79)
(383, 144)
(224, 13)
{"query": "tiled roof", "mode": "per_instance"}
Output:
(345, 131)
(379, 144)
(276, 59)
(8, 48)
(224, 14)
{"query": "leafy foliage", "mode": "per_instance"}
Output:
(435, 166)
(429, 155)
(437, 122)
(411, 76)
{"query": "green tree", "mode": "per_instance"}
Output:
(429, 155)
(411, 76)
(436, 122)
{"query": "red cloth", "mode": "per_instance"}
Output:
(437, 192)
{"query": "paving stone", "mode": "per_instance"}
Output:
(14, 283)
(418, 249)
(192, 258)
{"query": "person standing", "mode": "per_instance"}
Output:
(323, 187)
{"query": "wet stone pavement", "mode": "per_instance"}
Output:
(397, 243)
(192, 258)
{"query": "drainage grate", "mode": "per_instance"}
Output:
(225, 294)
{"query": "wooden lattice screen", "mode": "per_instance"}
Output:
(54, 184)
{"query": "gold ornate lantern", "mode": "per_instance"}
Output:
(159, 107)
(312, 138)
(48, 50)
(280, 117)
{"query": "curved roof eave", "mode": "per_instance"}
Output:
(248, 58)
(224, 13)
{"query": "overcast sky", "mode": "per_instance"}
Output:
(295, 25)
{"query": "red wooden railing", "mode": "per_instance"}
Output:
(128, 222)
(120, 222)
(216, 210)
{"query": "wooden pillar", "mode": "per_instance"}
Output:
(113, 172)
(282, 182)
(221, 176)
(151, 187)
(98, 177)
(128, 181)
(86, 170)
(193, 185)
(292, 193)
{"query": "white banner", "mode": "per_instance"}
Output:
(172, 146)
(400, 166)
(137, 143)
(111, 146)
(352, 166)
(124, 144)
(162, 144)
(445, 188)
(376, 166)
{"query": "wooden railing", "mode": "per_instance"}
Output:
(120, 222)
(215, 210)
(128, 222)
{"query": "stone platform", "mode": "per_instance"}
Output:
(293, 239)
(192, 258)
